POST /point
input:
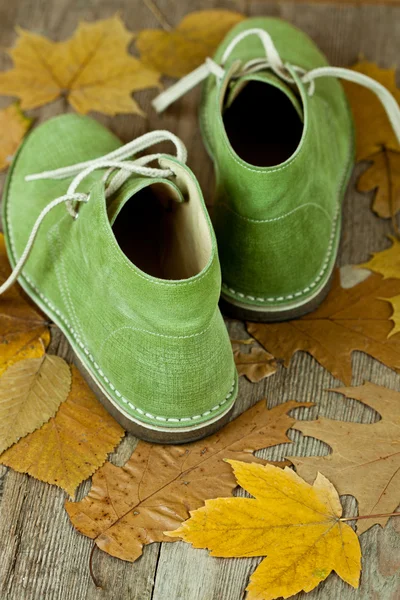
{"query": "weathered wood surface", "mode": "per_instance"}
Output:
(41, 556)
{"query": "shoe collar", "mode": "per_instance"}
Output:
(116, 170)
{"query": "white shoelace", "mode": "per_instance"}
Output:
(115, 160)
(273, 61)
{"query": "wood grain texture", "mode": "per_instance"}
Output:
(42, 557)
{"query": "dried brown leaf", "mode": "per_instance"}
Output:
(365, 458)
(376, 141)
(357, 318)
(131, 506)
(256, 364)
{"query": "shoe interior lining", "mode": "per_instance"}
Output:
(162, 237)
(262, 125)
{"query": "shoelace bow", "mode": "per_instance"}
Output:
(273, 61)
(114, 161)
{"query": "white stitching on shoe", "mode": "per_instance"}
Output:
(283, 216)
(117, 393)
(311, 285)
(241, 163)
(89, 355)
(162, 335)
(324, 266)
(53, 236)
(327, 257)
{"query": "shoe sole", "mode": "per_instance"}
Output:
(157, 435)
(243, 312)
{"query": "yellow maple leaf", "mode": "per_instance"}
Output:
(72, 445)
(375, 139)
(13, 126)
(93, 69)
(363, 458)
(177, 52)
(296, 525)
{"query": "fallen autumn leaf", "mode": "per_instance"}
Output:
(93, 69)
(131, 506)
(13, 126)
(386, 262)
(255, 365)
(375, 139)
(72, 445)
(355, 318)
(31, 391)
(297, 527)
(365, 458)
(177, 52)
(24, 331)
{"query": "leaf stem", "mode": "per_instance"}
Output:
(393, 514)
(153, 8)
(98, 586)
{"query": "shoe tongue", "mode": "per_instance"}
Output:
(237, 85)
(134, 184)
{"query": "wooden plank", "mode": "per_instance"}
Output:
(43, 558)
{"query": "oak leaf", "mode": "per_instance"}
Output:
(13, 126)
(131, 506)
(92, 68)
(356, 318)
(375, 139)
(255, 365)
(24, 331)
(177, 52)
(297, 527)
(72, 445)
(31, 391)
(365, 458)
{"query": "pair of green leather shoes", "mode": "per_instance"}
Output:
(118, 249)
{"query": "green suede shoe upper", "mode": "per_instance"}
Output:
(157, 347)
(278, 227)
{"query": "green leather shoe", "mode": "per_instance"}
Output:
(276, 123)
(122, 257)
